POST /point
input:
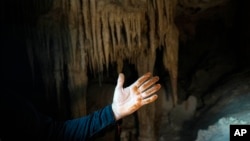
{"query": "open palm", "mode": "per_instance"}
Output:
(128, 100)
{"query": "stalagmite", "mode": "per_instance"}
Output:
(171, 61)
(147, 129)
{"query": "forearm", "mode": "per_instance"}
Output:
(84, 128)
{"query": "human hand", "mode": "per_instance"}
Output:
(130, 99)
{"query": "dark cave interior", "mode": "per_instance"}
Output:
(217, 51)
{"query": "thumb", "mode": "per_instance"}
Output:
(120, 80)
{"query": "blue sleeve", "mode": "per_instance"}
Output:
(82, 129)
(20, 120)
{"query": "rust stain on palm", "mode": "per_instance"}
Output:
(135, 90)
(134, 107)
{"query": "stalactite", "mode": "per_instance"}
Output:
(126, 23)
(86, 17)
(87, 35)
(112, 31)
(99, 43)
(160, 23)
(119, 65)
(105, 37)
(151, 16)
(93, 28)
(133, 27)
(118, 26)
(138, 28)
(72, 24)
(81, 35)
(170, 10)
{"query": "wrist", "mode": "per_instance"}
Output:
(116, 112)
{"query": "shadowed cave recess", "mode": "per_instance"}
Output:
(65, 56)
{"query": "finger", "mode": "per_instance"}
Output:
(120, 80)
(148, 83)
(142, 79)
(149, 99)
(151, 91)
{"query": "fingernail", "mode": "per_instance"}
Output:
(148, 74)
(156, 78)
